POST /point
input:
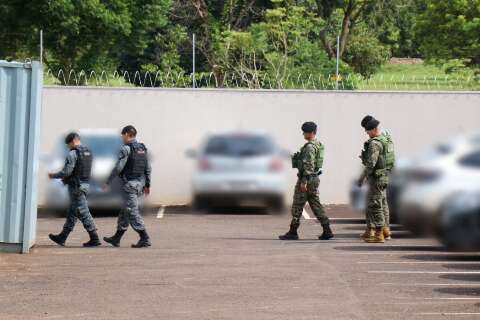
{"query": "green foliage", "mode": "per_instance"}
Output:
(365, 54)
(281, 50)
(450, 30)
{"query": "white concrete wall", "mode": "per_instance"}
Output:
(172, 120)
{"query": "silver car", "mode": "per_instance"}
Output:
(105, 145)
(239, 169)
(430, 183)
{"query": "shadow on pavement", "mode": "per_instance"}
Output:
(462, 277)
(460, 291)
(386, 247)
(442, 257)
(362, 228)
(236, 211)
(472, 267)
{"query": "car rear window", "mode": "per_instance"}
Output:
(101, 146)
(239, 146)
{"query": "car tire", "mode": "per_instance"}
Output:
(200, 203)
(276, 205)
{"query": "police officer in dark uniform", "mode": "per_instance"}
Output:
(76, 175)
(134, 170)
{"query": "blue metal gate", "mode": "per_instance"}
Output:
(20, 105)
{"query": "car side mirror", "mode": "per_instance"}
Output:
(191, 153)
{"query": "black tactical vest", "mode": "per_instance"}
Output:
(136, 163)
(83, 167)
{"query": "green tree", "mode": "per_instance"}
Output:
(282, 51)
(450, 29)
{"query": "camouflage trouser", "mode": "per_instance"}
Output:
(377, 213)
(79, 209)
(300, 199)
(130, 214)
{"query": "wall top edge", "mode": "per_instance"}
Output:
(295, 91)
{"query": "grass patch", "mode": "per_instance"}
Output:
(421, 77)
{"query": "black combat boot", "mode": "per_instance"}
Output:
(290, 235)
(144, 241)
(327, 232)
(59, 238)
(115, 239)
(94, 241)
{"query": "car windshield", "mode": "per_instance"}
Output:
(101, 145)
(239, 146)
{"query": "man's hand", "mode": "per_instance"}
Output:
(105, 187)
(303, 187)
(146, 191)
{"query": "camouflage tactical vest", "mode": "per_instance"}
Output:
(297, 159)
(386, 160)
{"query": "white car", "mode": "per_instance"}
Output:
(105, 145)
(426, 185)
(460, 223)
(239, 169)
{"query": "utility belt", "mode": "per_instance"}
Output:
(74, 181)
(381, 173)
(310, 175)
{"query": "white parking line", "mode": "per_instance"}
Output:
(161, 212)
(423, 272)
(306, 215)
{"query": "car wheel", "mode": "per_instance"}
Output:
(200, 203)
(276, 205)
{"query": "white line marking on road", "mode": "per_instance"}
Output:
(306, 215)
(161, 212)
(423, 272)
(429, 284)
(419, 262)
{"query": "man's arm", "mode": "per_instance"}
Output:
(373, 153)
(308, 163)
(121, 162)
(148, 173)
(67, 170)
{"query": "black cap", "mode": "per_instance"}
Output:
(72, 135)
(130, 130)
(369, 123)
(309, 127)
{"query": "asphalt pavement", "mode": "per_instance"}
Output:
(230, 265)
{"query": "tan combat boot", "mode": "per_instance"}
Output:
(369, 232)
(377, 237)
(387, 234)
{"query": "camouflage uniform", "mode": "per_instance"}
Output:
(131, 191)
(78, 196)
(308, 174)
(377, 213)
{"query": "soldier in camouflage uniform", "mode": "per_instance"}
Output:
(309, 163)
(378, 158)
(76, 175)
(134, 170)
